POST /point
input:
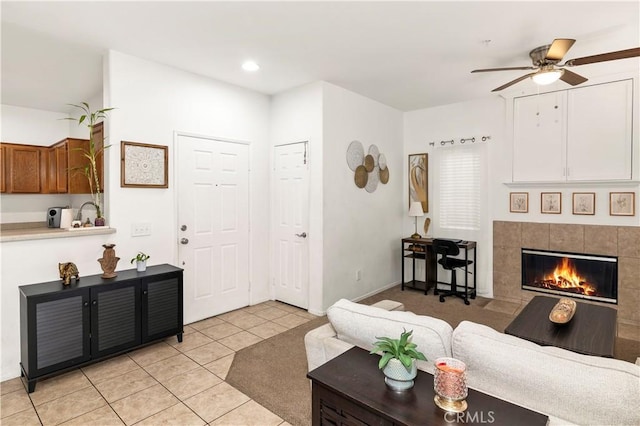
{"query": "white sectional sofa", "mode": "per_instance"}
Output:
(568, 387)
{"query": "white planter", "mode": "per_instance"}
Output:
(397, 377)
(141, 265)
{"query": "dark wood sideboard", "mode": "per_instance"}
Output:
(65, 327)
(350, 390)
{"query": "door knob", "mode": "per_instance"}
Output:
(303, 235)
(184, 241)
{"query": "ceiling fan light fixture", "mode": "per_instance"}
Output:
(250, 66)
(545, 77)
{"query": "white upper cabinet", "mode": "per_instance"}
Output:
(581, 134)
(539, 134)
(599, 137)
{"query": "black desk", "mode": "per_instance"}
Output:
(422, 248)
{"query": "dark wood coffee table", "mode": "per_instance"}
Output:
(350, 390)
(591, 331)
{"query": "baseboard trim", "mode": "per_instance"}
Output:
(374, 292)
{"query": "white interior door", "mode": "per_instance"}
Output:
(213, 222)
(291, 224)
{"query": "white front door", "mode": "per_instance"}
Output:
(213, 222)
(291, 224)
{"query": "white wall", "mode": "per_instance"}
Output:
(153, 102)
(362, 229)
(296, 115)
(483, 117)
(33, 126)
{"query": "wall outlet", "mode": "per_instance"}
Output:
(358, 274)
(140, 229)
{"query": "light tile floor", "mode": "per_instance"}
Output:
(164, 383)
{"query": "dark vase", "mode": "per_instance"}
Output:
(99, 221)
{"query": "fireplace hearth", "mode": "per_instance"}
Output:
(583, 276)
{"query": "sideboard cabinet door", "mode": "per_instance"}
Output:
(58, 331)
(115, 317)
(161, 307)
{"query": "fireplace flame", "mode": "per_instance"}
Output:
(566, 276)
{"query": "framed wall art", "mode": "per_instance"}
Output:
(144, 165)
(584, 203)
(622, 203)
(519, 202)
(551, 202)
(418, 180)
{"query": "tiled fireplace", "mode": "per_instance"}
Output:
(621, 242)
(582, 276)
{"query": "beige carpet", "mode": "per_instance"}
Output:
(273, 372)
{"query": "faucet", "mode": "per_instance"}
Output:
(79, 215)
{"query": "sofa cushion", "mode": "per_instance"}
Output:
(579, 388)
(361, 325)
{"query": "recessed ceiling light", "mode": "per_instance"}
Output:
(250, 66)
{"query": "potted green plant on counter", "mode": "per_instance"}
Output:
(141, 261)
(92, 153)
(398, 361)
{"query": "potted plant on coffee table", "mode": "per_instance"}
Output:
(398, 361)
(141, 261)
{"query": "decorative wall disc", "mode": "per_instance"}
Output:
(355, 155)
(375, 153)
(382, 161)
(384, 175)
(361, 176)
(369, 163)
(369, 170)
(372, 180)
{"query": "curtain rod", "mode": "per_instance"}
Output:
(462, 140)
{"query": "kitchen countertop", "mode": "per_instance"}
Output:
(16, 233)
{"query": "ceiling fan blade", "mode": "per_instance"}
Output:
(505, 69)
(512, 82)
(572, 78)
(559, 48)
(611, 56)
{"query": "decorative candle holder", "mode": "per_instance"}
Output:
(450, 384)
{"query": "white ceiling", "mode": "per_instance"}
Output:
(408, 55)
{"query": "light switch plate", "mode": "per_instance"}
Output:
(140, 229)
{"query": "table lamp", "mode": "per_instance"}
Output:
(415, 210)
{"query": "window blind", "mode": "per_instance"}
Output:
(459, 187)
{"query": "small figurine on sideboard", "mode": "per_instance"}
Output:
(68, 270)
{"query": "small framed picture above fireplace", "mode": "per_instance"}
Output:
(622, 203)
(584, 203)
(519, 202)
(551, 202)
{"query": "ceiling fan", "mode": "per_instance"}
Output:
(545, 60)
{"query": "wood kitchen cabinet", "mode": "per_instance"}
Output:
(3, 155)
(64, 327)
(25, 169)
(77, 180)
(57, 169)
(581, 134)
(57, 177)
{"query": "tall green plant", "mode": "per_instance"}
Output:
(91, 119)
